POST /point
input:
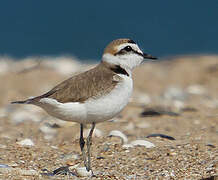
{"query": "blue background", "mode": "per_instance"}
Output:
(84, 28)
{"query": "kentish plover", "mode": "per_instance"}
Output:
(96, 95)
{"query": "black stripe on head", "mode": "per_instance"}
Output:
(119, 70)
(131, 41)
(126, 50)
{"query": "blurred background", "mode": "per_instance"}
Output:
(174, 104)
(83, 28)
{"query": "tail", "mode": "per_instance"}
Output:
(28, 101)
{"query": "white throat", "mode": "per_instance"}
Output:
(109, 58)
(128, 62)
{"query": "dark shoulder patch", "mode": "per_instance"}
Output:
(119, 70)
(131, 41)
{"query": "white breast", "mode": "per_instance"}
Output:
(111, 104)
(93, 110)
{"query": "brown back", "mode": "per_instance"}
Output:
(93, 83)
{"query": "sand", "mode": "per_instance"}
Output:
(176, 97)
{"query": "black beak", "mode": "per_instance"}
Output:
(148, 56)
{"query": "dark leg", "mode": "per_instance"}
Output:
(82, 144)
(89, 143)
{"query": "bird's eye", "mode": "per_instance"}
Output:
(128, 48)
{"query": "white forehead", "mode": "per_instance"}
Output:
(134, 46)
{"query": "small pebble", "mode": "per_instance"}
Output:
(211, 145)
(150, 113)
(175, 93)
(49, 132)
(100, 157)
(173, 153)
(143, 125)
(129, 126)
(26, 142)
(161, 135)
(106, 147)
(141, 98)
(196, 89)
(119, 134)
(13, 165)
(126, 146)
(179, 105)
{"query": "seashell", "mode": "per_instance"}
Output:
(82, 172)
(147, 144)
(26, 142)
(119, 134)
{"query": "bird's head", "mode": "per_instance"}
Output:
(124, 52)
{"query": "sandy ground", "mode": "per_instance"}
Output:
(177, 98)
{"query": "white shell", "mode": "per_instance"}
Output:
(119, 134)
(26, 142)
(147, 144)
(82, 172)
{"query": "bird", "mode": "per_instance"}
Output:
(96, 95)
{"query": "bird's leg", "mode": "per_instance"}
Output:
(82, 144)
(89, 143)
